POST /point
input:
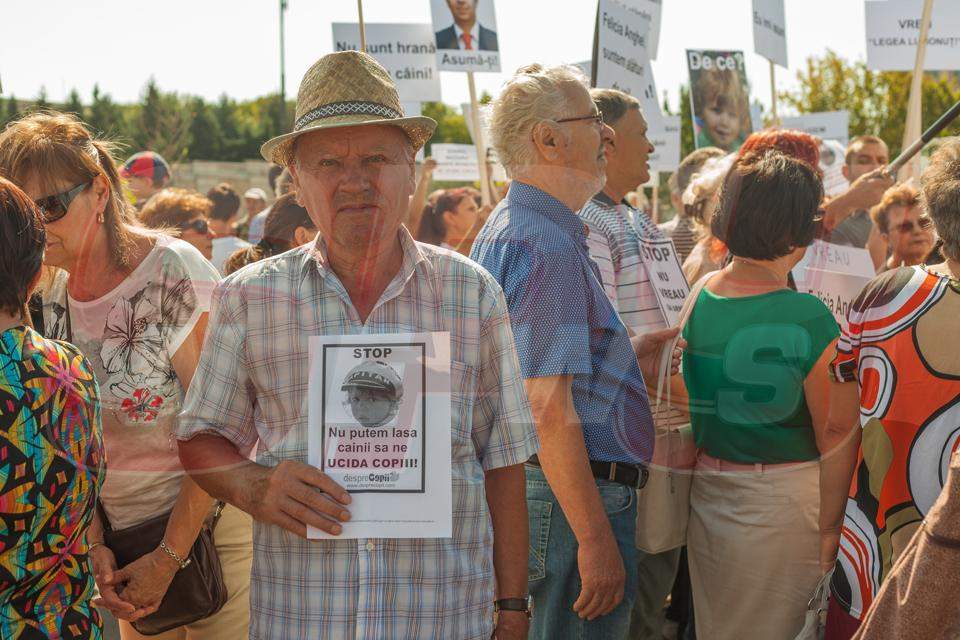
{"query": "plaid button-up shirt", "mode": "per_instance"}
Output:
(251, 387)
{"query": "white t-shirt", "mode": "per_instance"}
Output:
(130, 336)
(224, 247)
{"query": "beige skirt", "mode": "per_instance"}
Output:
(753, 547)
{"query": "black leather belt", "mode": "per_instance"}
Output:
(630, 475)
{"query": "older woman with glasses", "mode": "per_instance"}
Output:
(50, 450)
(903, 227)
(135, 302)
(182, 213)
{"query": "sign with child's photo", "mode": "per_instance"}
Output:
(720, 99)
(379, 426)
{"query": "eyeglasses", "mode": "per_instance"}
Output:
(923, 223)
(199, 225)
(54, 207)
(596, 117)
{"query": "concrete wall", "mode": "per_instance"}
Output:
(202, 175)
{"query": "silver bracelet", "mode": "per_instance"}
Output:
(173, 554)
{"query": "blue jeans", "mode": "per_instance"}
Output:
(553, 576)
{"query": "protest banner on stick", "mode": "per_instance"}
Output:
(363, 33)
(773, 93)
(478, 142)
(914, 124)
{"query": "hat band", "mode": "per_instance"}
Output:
(359, 108)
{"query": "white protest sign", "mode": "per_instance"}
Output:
(770, 30)
(380, 426)
(893, 31)
(406, 51)
(666, 277)
(465, 34)
(837, 290)
(666, 144)
(623, 59)
(827, 256)
(831, 164)
(826, 125)
(652, 11)
(455, 162)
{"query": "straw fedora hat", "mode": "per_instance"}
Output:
(346, 89)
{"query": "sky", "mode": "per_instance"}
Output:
(211, 47)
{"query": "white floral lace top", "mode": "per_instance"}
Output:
(130, 335)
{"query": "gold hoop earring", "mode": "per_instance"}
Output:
(100, 217)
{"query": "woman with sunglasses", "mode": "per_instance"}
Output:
(184, 214)
(903, 227)
(51, 451)
(135, 302)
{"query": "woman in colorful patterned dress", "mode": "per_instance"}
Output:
(135, 302)
(901, 350)
(51, 454)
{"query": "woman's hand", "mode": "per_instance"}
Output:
(829, 544)
(104, 572)
(145, 581)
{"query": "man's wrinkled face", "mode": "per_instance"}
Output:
(632, 146)
(355, 182)
(584, 151)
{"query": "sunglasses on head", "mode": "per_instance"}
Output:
(907, 226)
(54, 207)
(199, 225)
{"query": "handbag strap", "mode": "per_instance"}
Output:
(666, 353)
(211, 523)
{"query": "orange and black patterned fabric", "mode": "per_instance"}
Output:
(903, 348)
(51, 467)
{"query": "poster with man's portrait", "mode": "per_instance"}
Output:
(379, 424)
(465, 32)
(720, 99)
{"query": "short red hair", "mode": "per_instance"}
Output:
(796, 144)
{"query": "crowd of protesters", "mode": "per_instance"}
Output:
(154, 363)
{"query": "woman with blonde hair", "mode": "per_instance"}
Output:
(700, 201)
(135, 302)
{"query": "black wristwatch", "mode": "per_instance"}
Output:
(514, 604)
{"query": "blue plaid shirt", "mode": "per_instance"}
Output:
(563, 323)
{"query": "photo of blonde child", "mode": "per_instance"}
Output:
(721, 105)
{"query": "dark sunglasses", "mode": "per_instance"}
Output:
(54, 207)
(596, 117)
(923, 223)
(199, 225)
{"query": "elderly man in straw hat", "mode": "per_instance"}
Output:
(351, 154)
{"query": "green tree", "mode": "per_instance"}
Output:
(451, 127)
(41, 102)
(876, 100)
(74, 104)
(150, 116)
(206, 138)
(11, 111)
(687, 144)
(105, 116)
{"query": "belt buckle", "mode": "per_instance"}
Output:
(643, 477)
(612, 475)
